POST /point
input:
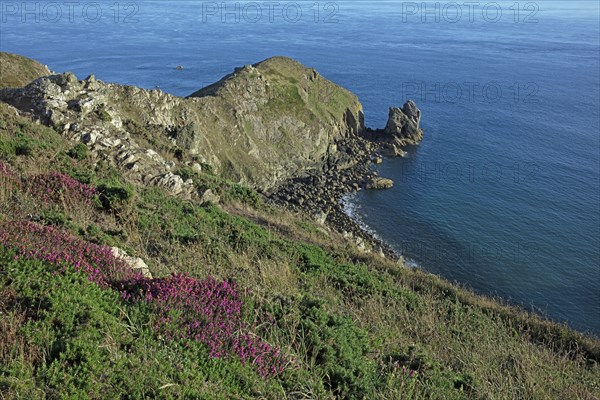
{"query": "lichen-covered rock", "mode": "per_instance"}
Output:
(378, 183)
(259, 126)
(208, 196)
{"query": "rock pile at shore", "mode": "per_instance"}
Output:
(276, 126)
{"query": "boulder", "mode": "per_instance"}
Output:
(208, 196)
(174, 184)
(136, 263)
(320, 217)
(377, 183)
(392, 150)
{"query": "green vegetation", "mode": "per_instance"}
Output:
(17, 71)
(350, 325)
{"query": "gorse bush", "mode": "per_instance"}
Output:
(338, 349)
(114, 194)
(78, 152)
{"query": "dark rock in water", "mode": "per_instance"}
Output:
(403, 124)
(392, 150)
(411, 111)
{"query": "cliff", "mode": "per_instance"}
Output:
(258, 126)
(110, 289)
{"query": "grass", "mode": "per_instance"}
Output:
(17, 71)
(351, 325)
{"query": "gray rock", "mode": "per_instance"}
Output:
(378, 183)
(320, 217)
(208, 196)
(404, 124)
(392, 150)
(136, 263)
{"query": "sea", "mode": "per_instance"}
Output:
(502, 195)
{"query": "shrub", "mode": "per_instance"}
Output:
(339, 351)
(78, 152)
(23, 149)
(114, 195)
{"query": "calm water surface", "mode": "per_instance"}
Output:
(502, 195)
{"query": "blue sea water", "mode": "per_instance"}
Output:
(502, 195)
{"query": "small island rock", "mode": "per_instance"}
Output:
(378, 183)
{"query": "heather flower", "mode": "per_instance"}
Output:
(6, 170)
(32, 241)
(56, 187)
(206, 311)
(8, 181)
(209, 312)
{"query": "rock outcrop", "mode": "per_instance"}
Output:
(259, 126)
(402, 129)
(403, 123)
(378, 183)
(136, 263)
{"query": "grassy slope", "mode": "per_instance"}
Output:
(17, 71)
(353, 325)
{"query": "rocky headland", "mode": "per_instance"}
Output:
(275, 126)
(110, 259)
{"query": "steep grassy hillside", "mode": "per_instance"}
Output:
(271, 305)
(17, 71)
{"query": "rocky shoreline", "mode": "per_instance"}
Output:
(305, 151)
(321, 195)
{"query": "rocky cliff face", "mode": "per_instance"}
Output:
(259, 126)
(403, 123)
(402, 129)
